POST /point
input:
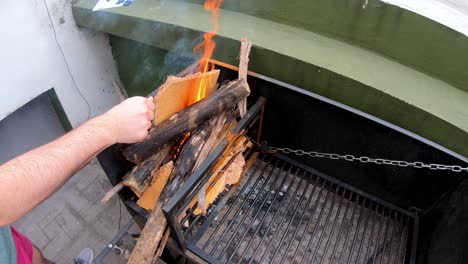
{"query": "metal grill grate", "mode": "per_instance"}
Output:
(283, 212)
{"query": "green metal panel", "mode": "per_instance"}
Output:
(348, 74)
(412, 39)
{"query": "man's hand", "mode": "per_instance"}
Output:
(27, 180)
(129, 121)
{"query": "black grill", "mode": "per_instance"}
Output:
(285, 212)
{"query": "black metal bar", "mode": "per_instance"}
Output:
(219, 206)
(292, 219)
(202, 254)
(278, 173)
(274, 216)
(371, 237)
(414, 240)
(349, 231)
(235, 201)
(353, 244)
(378, 237)
(212, 216)
(405, 240)
(187, 216)
(124, 230)
(364, 231)
(248, 209)
(135, 207)
(250, 115)
(382, 252)
(395, 237)
(283, 217)
(342, 224)
(194, 221)
(346, 186)
(241, 205)
(300, 222)
(180, 238)
(333, 226)
(401, 245)
(195, 188)
(318, 223)
(266, 214)
(170, 207)
(330, 211)
(260, 124)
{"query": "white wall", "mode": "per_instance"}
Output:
(31, 61)
(451, 13)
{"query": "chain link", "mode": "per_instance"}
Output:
(363, 159)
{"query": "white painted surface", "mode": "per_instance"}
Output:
(31, 60)
(451, 13)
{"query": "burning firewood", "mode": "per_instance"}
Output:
(140, 176)
(234, 171)
(179, 92)
(187, 119)
(208, 122)
(151, 195)
(217, 182)
(188, 156)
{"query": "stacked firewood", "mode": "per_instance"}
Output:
(188, 126)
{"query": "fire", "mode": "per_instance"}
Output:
(208, 45)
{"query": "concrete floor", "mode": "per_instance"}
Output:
(73, 218)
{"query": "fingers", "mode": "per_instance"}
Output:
(150, 115)
(150, 103)
(148, 125)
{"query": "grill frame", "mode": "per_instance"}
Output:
(410, 219)
(176, 206)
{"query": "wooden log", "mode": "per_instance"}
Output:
(162, 245)
(188, 119)
(189, 154)
(150, 196)
(215, 185)
(179, 92)
(140, 176)
(210, 142)
(246, 45)
(150, 236)
(153, 230)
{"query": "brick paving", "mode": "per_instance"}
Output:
(73, 218)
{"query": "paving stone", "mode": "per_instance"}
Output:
(73, 218)
(95, 190)
(74, 199)
(59, 246)
(71, 224)
(89, 174)
(34, 233)
(52, 229)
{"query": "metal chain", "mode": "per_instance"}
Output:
(363, 159)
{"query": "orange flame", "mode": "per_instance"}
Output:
(208, 45)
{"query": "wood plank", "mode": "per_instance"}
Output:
(188, 119)
(246, 45)
(151, 195)
(178, 93)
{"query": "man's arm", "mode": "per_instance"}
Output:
(32, 177)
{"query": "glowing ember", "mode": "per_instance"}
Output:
(208, 45)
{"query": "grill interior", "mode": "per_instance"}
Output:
(284, 212)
